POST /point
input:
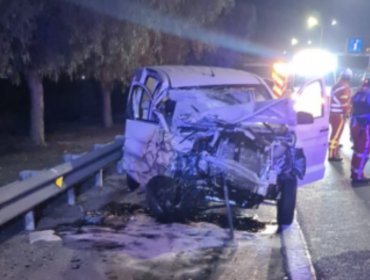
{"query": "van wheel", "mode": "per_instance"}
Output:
(131, 183)
(162, 198)
(286, 203)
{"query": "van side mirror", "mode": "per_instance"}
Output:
(304, 118)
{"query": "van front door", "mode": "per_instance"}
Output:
(313, 138)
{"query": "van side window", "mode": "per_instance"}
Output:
(140, 102)
(144, 106)
(311, 100)
(141, 99)
(151, 84)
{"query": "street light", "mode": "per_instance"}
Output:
(294, 41)
(312, 22)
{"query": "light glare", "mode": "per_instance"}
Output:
(282, 68)
(312, 22)
(314, 62)
(294, 41)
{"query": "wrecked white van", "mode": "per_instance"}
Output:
(197, 136)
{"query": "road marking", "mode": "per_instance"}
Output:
(299, 263)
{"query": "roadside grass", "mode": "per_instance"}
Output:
(17, 154)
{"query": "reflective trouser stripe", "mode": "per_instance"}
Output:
(360, 162)
(361, 144)
(337, 124)
(337, 110)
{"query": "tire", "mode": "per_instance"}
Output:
(192, 202)
(172, 201)
(286, 203)
(131, 183)
(162, 198)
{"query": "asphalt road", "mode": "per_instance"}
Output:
(335, 220)
(129, 244)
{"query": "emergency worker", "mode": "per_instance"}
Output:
(339, 111)
(360, 132)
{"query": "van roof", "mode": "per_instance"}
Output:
(186, 76)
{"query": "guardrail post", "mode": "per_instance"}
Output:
(99, 175)
(70, 157)
(119, 167)
(119, 138)
(119, 164)
(29, 218)
(25, 174)
(99, 178)
(71, 195)
(29, 221)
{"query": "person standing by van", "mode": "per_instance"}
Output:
(339, 111)
(360, 132)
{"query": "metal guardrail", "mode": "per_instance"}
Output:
(20, 197)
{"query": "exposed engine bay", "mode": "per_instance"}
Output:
(250, 159)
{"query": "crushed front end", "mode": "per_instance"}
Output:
(250, 158)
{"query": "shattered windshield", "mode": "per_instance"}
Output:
(229, 103)
(212, 97)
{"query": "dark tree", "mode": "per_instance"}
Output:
(42, 39)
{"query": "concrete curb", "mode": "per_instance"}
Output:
(299, 263)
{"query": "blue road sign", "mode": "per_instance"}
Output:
(355, 45)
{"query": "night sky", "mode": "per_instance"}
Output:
(280, 20)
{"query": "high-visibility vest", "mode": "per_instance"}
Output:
(340, 98)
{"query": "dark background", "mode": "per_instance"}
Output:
(278, 21)
(65, 101)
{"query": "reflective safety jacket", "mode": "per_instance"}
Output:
(340, 98)
(361, 107)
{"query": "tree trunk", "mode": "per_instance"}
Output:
(37, 130)
(107, 104)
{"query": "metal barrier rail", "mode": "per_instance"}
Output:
(20, 197)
